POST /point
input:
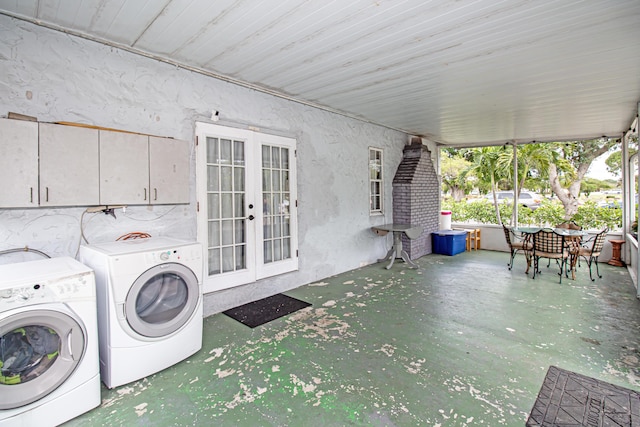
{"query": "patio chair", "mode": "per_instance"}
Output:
(551, 245)
(573, 242)
(591, 249)
(517, 243)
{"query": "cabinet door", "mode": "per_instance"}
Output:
(18, 163)
(124, 168)
(68, 165)
(168, 170)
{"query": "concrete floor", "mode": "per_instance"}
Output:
(460, 341)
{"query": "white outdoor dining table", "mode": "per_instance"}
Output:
(396, 251)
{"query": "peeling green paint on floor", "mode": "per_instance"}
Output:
(460, 341)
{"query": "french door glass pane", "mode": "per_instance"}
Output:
(241, 257)
(214, 261)
(225, 151)
(213, 178)
(228, 262)
(213, 205)
(214, 233)
(227, 233)
(268, 253)
(212, 150)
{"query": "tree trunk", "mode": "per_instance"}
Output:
(568, 197)
(457, 193)
(495, 199)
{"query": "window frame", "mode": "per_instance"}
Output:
(376, 182)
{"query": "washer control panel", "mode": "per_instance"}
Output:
(77, 286)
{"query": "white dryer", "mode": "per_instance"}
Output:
(49, 370)
(149, 294)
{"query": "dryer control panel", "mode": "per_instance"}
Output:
(181, 254)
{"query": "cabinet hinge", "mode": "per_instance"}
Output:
(296, 203)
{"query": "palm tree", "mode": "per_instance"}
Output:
(486, 166)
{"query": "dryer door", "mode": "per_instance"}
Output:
(162, 300)
(39, 350)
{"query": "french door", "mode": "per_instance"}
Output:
(246, 205)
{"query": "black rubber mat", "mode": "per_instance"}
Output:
(570, 399)
(265, 310)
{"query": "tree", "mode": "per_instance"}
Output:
(589, 185)
(454, 179)
(580, 154)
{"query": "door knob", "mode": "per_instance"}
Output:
(251, 217)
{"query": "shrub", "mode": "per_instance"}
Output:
(550, 213)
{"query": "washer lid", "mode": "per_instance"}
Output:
(29, 272)
(124, 247)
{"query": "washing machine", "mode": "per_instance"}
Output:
(149, 294)
(49, 371)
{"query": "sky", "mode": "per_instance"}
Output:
(598, 169)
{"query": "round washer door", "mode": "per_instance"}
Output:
(39, 350)
(162, 300)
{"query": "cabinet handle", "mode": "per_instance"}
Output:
(145, 193)
(155, 194)
(30, 194)
(46, 197)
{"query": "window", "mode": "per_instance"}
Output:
(375, 181)
(247, 205)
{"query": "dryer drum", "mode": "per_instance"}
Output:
(162, 298)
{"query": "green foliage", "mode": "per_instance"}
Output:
(614, 161)
(590, 185)
(550, 213)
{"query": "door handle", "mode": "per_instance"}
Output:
(251, 217)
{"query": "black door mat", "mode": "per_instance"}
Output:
(570, 399)
(259, 312)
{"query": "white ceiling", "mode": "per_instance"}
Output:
(458, 72)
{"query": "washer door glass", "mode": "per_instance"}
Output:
(39, 350)
(162, 300)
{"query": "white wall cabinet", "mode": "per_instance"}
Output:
(18, 163)
(69, 169)
(140, 169)
(168, 170)
(43, 164)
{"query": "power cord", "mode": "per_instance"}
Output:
(134, 235)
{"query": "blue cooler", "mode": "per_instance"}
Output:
(449, 242)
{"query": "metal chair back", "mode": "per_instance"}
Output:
(598, 242)
(516, 244)
(549, 244)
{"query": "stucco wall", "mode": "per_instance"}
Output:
(57, 77)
